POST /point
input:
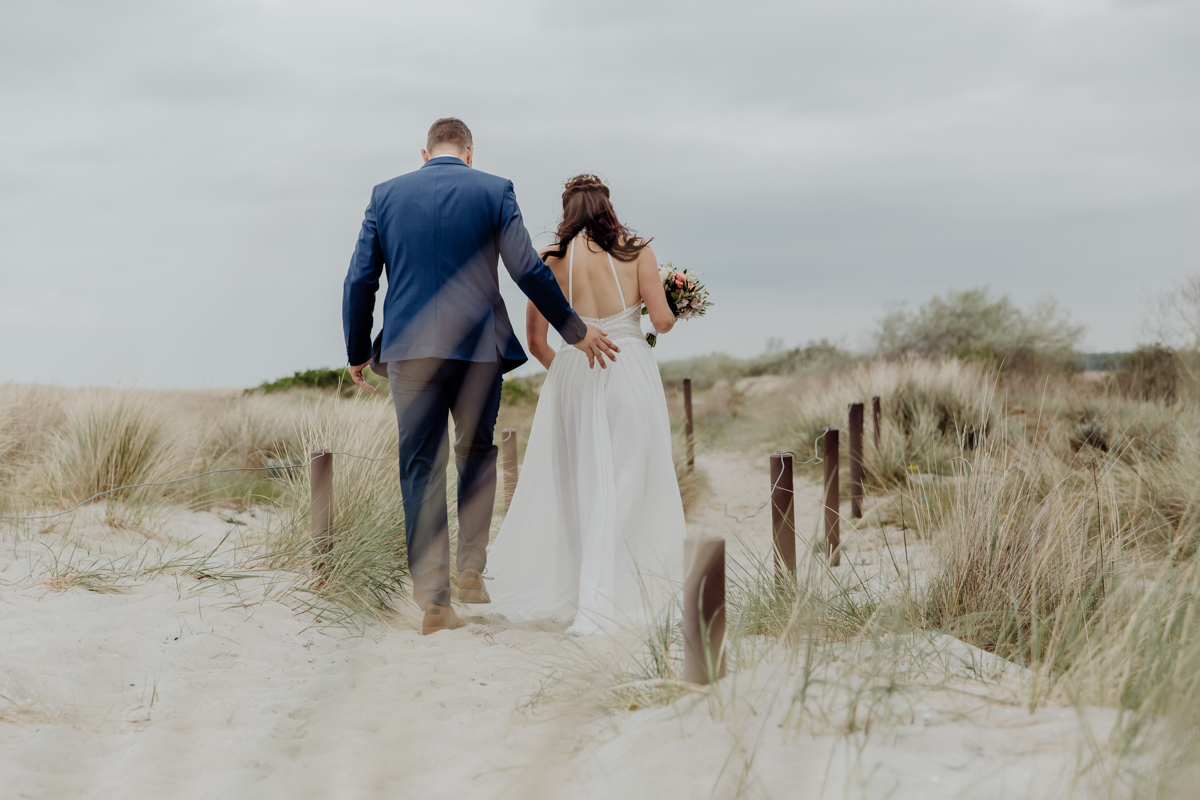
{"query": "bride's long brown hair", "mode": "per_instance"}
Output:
(586, 207)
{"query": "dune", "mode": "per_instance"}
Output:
(199, 683)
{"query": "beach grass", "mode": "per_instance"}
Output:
(1060, 554)
(1059, 523)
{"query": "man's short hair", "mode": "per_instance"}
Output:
(451, 131)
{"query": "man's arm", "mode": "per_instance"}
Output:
(537, 282)
(358, 295)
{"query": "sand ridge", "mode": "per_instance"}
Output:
(183, 688)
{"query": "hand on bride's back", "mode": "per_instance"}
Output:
(596, 345)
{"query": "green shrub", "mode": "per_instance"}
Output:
(519, 391)
(972, 326)
(338, 380)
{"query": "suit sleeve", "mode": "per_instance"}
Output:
(532, 275)
(358, 292)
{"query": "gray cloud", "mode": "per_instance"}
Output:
(181, 184)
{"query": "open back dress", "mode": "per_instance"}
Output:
(595, 530)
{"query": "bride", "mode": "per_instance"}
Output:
(595, 529)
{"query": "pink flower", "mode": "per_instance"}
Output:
(679, 280)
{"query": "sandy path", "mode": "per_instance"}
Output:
(183, 689)
(177, 691)
(741, 484)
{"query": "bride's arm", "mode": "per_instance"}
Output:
(536, 329)
(653, 293)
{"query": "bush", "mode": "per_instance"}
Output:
(338, 380)
(973, 326)
(1152, 372)
(707, 370)
(519, 391)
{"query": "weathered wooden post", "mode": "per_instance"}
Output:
(508, 456)
(783, 518)
(688, 427)
(856, 460)
(320, 474)
(833, 543)
(877, 418)
(703, 609)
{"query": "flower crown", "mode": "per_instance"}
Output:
(585, 181)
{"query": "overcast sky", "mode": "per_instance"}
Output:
(181, 184)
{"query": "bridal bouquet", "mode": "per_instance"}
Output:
(686, 295)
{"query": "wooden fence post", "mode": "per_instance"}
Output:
(689, 427)
(703, 609)
(783, 518)
(877, 418)
(833, 514)
(508, 456)
(320, 473)
(856, 460)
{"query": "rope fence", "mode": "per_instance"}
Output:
(704, 557)
(816, 459)
(704, 578)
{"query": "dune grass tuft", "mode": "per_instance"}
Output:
(108, 440)
(364, 569)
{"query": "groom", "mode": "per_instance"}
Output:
(445, 344)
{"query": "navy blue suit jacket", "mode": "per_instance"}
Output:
(438, 233)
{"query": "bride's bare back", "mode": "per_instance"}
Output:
(595, 292)
(586, 276)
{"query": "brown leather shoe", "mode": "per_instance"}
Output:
(471, 588)
(440, 618)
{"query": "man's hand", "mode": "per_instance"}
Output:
(357, 374)
(596, 345)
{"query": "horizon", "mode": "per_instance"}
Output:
(534, 370)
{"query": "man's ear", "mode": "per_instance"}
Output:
(470, 155)
(424, 154)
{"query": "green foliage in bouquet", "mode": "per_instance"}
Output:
(687, 297)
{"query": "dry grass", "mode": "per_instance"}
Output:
(364, 567)
(930, 411)
(60, 447)
(1064, 541)
(30, 712)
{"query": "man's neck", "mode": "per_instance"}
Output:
(452, 155)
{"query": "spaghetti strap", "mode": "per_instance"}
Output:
(617, 280)
(571, 274)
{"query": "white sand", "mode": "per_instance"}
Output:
(179, 688)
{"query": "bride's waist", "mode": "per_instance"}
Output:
(618, 329)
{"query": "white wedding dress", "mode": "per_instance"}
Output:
(595, 529)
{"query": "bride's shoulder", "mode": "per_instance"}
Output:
(632, 241)
(645, 253)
